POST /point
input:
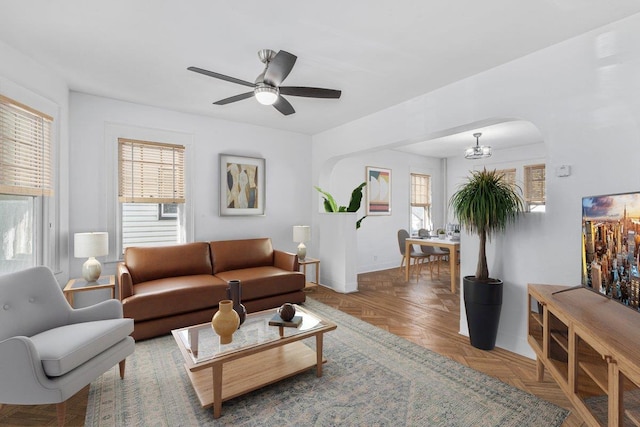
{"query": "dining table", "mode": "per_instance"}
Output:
(447, 242)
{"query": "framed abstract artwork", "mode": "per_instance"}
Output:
(378, 191)
(242, 186)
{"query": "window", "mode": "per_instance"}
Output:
(25, 184)
(151, 192)
(420, 202)
(509, 175)
(534, 188)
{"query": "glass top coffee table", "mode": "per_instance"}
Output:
(260, 354)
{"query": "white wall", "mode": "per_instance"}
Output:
(25, 81)
(377, 237)
(583, 97)
(288, 182)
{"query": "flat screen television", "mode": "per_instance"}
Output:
(610, 241)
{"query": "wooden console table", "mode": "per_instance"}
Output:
(591, 347)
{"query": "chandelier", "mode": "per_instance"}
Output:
(477, 151)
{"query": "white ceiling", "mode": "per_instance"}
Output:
(498, 136)
(379, 53)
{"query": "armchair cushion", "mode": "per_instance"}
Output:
(65, 348)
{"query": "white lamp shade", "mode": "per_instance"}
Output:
(87, 245)
(266, 95)
(301, 233)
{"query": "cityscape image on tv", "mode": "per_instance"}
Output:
(610, 240)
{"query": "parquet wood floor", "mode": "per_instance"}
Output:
(423, 311)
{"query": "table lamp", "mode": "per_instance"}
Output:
(91, 245)
(301, 234)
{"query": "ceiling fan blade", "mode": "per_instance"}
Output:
(221, 76)
(279, 68)
(310, 92)
(283, 106)
(234, 98)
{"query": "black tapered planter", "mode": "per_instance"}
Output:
(482, 303)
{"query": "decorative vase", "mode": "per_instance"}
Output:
(482, 303)
(225, 322)
(234, 293)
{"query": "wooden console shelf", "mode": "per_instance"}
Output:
(591, 347)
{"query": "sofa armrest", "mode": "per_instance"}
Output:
(285, 260)
(110, 309)
(125, 283)
(23, 379)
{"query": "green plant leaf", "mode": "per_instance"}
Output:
(356, 198)
(330, 204)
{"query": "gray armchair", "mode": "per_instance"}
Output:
(48, 350)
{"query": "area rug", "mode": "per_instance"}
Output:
(372, 378)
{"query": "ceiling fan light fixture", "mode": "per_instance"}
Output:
(478, 151)
(266, 95)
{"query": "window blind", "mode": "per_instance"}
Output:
(150, 172)
(534, 184)
(25, 150)
(420, 190)
(509, 176)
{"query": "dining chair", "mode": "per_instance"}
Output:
(417, 257)
(435, 254)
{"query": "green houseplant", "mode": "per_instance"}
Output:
(484, 205)
(330, 204)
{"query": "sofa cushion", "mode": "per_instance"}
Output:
(146, 264)
(260, 282)
(174, 295)
(235, 254)
(65, 348)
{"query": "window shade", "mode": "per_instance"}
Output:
(420, 190)
(509, 176)
(25, 150)
(534, 184)
(150, 172)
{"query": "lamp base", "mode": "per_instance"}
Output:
(302, 251)
(91, 269)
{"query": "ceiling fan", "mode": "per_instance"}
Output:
(266, 88)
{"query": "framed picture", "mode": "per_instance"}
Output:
(242, 186)
(378, 191)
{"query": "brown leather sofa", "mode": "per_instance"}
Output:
(169, 287)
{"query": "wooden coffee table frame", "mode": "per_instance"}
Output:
(231, 375)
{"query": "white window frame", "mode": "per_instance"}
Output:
(46, 219)
(114, 131)
(531, 204)
(429, 205)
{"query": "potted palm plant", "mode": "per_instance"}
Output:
(484, 205)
